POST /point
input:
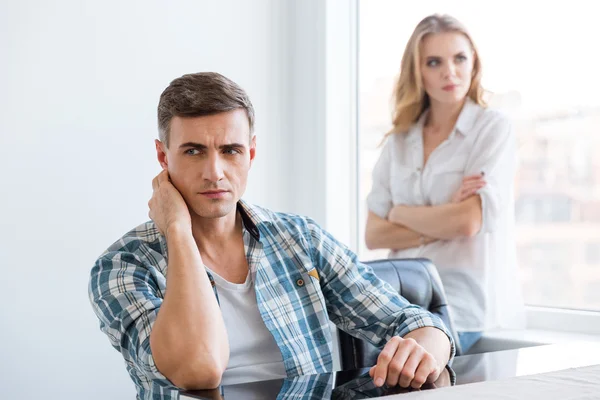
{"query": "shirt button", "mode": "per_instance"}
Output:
(300, 282)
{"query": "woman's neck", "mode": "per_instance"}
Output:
(443, 116)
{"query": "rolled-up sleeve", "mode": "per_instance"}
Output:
(494, 154)
(360, 303)
(379, 200)
(126, 301)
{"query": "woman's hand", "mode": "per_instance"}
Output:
(470, 185)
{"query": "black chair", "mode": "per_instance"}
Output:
(415, 279)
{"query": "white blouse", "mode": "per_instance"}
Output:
(479, 273)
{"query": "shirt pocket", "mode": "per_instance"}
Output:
(402, 184)
(308, 297)
(446, 179)
(306, 276)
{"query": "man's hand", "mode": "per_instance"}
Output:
(167, 207)
(470, 185)
(406, 363)
(443, 380)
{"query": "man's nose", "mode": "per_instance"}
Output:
(213, 168)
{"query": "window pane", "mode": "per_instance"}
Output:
(543, 70)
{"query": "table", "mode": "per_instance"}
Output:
(494, 369)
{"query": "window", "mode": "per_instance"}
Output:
(543, 72)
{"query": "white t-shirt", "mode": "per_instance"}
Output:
(479, 273)
(253, 352)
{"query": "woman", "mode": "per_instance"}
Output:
(443, 186)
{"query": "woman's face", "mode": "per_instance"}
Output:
(447, 61)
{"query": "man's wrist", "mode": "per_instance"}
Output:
(178, 229)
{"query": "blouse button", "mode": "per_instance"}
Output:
(300, 282)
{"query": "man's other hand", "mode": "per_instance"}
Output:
(406, 363)
(167, 207)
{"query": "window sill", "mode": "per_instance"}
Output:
(516, 339)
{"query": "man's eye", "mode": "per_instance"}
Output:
(192, 152)
(231, 151)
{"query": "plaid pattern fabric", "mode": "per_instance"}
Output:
(303, 278)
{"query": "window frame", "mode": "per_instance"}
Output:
(341, 78)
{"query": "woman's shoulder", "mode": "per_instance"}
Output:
(487, 121)
(408, 134)
(395, 143)
(490, 115)
(390, 139)
(492, 126)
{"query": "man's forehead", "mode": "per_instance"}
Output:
(218, 128)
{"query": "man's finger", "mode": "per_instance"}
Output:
(427, 368)
(410, 367)
(163, 176)
(397, 364)
(441, 377)
(384, 359)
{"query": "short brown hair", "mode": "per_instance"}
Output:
(197, 95)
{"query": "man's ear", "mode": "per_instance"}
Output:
(161, 153)
(252, 149)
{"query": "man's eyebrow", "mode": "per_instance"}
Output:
(200, 146)
(232, 146)
(194, 145)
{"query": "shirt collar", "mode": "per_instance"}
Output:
(464, 123)
(467, 117)
(250, 218)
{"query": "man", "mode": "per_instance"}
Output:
(214, 289)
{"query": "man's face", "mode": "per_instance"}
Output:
(208, 160)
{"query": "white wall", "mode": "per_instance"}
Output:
(79, 85)
(323, 99)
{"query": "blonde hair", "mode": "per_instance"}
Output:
(409, 98)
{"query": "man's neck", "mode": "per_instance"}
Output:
(216, 233)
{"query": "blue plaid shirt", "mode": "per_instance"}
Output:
(303, 278)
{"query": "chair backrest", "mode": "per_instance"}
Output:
(415, 279)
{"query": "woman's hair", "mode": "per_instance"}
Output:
(409, 98)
